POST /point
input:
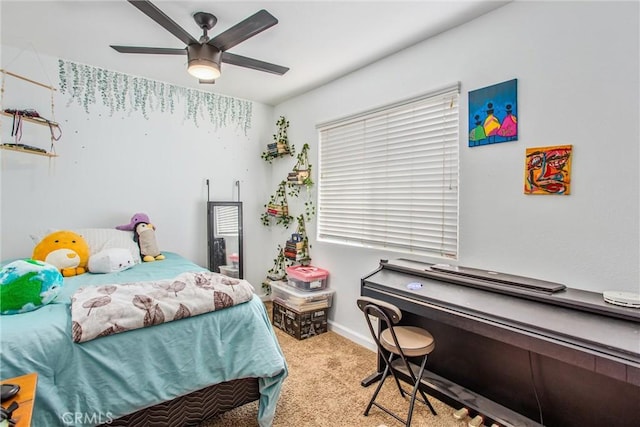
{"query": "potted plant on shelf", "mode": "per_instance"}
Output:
(280, 145)
(301, 176)
(297, 248)
(277, 208)
(303, 167)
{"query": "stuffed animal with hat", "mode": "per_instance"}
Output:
(145, 234)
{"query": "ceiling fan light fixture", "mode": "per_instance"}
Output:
(204, 61)
(204, 70)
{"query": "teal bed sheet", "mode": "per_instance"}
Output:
(105, 378)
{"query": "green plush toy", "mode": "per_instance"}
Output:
(26, 285)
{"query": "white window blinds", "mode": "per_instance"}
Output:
(389, 177)
(226, 219)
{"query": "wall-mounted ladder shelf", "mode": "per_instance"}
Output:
(27, 151)
(36, 120)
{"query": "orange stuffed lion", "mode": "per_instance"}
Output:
(66, 250)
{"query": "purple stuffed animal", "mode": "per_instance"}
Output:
(145, 234)
(135, 220)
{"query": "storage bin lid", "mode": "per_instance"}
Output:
(307, 273)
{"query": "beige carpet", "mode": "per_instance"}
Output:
(323, 389)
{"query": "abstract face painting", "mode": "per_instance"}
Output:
(548, 170)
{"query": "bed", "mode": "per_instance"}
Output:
(175, 373)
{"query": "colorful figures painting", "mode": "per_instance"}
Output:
(548, 170)
(493, 114)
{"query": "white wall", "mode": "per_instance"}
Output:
(578, 83)
(577, 70)
(111, 167)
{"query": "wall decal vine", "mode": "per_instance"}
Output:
(126, 93)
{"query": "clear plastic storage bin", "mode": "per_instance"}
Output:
(300, 301)
(307, 278)
(229, 270)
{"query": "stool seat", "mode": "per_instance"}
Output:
(397, 342)
(414, 341)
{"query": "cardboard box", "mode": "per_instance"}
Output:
(300, 325)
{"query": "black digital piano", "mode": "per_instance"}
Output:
(515, 350)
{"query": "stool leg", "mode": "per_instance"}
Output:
(395, 377)
(380, 383)
(424, 396)
(417, 379)
(426, 400)
(416, 387)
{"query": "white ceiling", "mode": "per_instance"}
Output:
(318, 40)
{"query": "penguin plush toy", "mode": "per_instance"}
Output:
(145, 235)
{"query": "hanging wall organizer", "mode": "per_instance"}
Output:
(18, 117)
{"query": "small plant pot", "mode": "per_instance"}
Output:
(282, 148)
(302, 175)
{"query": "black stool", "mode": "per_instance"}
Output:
(402, 341)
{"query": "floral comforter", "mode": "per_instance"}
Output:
(98, 311)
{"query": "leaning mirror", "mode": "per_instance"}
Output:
(224, 227)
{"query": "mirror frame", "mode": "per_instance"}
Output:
(211, 227)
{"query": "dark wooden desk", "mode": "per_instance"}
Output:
(24, 398)
(582, 366)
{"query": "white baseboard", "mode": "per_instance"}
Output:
(365, 341)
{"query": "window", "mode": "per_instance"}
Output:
(389, 177)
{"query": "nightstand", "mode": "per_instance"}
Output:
(24, 398)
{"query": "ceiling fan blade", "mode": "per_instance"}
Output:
(167, 23)
(150, 50)
(243, 61)
(251, 26)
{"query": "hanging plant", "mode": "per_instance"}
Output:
(277, 208)
(277, 272)
(302, 169)
(309, 209)
(297, 247)
(126, 93)
(280, 145)
(301, 176)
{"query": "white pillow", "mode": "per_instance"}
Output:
(111, 261)
(100, 239)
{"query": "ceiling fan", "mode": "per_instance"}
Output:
(205, 55)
